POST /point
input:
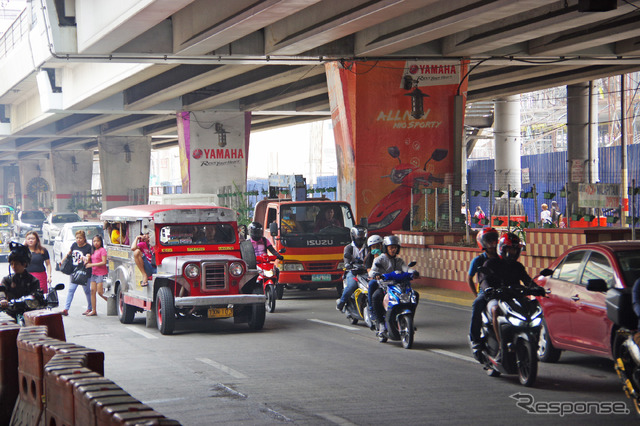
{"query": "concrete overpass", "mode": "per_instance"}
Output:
(74, 70)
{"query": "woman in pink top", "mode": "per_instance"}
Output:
(98, 265)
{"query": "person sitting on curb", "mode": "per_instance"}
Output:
(143, 256)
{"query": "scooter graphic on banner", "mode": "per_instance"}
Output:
(393, 211)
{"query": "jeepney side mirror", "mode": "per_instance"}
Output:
(273, 229)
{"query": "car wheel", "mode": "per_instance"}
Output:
(546, 351)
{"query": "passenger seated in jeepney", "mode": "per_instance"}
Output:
(144, 258)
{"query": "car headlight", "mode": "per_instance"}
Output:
(292, 267)
(192, 271)
(236, 269)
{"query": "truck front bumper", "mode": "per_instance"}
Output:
(240, 299)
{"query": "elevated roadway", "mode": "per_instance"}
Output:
(75, 70)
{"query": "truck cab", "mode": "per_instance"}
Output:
(314, 232)
(200, 270)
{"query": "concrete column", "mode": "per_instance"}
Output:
(124, 170)
(11, 185)
(71, 173)
(577, 140)
(506, 131)
(35, 181)
(213, 151)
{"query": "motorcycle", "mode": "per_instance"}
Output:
(519, 324)
(400, 305)
(268, 279)
(31, 302)
(393, 211)
(357, 306)
(626, 353)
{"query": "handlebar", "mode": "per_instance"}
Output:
(266, 258)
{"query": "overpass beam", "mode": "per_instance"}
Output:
(124, 170)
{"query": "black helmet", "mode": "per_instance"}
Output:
(509, 240)
(256, 231)
(391, 240)
(359, 235)
(19, 253)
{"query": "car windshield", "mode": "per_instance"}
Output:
(32, 215)
(630, 265)
(90, 231)
(203, 233)
(65, 218)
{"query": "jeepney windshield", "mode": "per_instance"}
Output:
(5, 219)
(316, 224)
(208, 233)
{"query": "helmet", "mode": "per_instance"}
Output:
(374, 239)
(359, 235)
(256, 231)
(391, 240)
(19, 253)
(509, 240)
(487, 237)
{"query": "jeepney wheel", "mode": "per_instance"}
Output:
(165, 311)
(257, 316)
(126, 313)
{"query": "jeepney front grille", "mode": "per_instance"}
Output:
(320, 266)
(214, 276)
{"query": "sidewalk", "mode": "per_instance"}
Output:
(461, 298)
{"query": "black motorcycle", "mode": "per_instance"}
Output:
(626, 353)
(31, 302)
(519, 323)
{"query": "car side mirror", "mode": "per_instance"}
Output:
(546, 272)
(273, 229)
(599, 285)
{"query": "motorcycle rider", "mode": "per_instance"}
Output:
(21, 283)
(635, 299)
(356, 250)
(387, 262)
(505, 270)
(487, 239)
(260, 244)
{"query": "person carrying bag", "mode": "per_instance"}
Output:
(80, 275)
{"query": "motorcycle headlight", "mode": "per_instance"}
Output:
(268, 273)
(536, 321)
(516, 321)
(292, 267)
(31, 302)
(236, 269)
(405, 298)
(192, 271)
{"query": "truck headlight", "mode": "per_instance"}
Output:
(192, 271)
(292, 267)
(340, 266)
(236, 269)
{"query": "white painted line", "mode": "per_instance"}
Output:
(454, 355)
(346, 327)
(141, 332)
(164, 401)
(336, 419)
(223, 368)
(450, 305)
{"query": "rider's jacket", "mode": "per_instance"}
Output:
(18, 285)
(496, 272)
(352, 252)
(384, 264)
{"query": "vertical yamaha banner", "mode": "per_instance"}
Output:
(393, 126)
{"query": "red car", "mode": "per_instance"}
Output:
(575, 318)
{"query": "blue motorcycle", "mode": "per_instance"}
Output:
(400, 304)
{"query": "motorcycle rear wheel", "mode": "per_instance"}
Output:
(625, 366)
(270, 298)
(527, 362)
(405, 323)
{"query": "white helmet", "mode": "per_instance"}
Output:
(374, 239)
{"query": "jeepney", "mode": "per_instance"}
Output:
(200, 269)
(6, 230)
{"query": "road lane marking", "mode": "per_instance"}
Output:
(346, 327)
(141, 332)
(336, 419)
(453, 355)
(223, 368)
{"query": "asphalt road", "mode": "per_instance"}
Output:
(310, 366)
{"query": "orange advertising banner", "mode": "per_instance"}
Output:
(393, 126)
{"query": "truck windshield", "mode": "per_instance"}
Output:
(209, 233)
(316, 224)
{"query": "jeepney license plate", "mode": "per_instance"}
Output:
(321, 277)
(220, 312)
